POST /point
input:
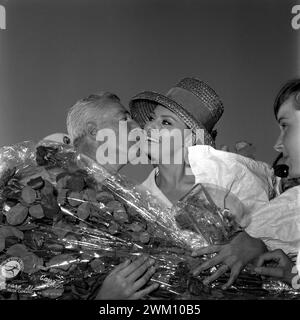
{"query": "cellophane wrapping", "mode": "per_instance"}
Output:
(66, 222)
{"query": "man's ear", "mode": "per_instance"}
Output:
(91, 129)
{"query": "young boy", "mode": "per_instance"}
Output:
(287, 113)
(278, 222)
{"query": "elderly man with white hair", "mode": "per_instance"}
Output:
(104, 111)
(101, 112)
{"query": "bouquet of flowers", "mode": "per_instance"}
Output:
(66, 222)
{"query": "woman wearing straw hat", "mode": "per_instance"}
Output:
(194, 105)
(190, 107)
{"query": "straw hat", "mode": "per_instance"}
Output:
(192, 100)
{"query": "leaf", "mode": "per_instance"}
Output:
(71, 242)
(36, 183)
(17, 214)
(84, 211)
(8, 231)
(61, 229)
(17, 250)
(48, 188)
(36, 211)
(28, 194)
(104, 197)
(120, 215)
(2, 243)
(113, 228)
(98, 265)
(144, 237)
(76, 183)
(62, 196)
(7, 175)
(32, 263)
(136, 227)
(62, 182)
(90, 195)
(75, 199)
(62, 261)
(52, 293)
(50, 206)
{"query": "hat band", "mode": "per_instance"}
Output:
(193, 105)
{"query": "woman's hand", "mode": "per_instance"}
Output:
(125, 281)
(233, 256)
(282, 269)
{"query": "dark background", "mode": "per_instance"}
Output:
(56, 51)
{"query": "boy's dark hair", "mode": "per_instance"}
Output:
(290, 88)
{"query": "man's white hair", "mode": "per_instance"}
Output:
(85, 110)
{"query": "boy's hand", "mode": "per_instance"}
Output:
(233, 256)
(125, 281)
(282, 268)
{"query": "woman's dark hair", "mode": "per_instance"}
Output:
(290, 88)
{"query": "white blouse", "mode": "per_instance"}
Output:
(276, 222)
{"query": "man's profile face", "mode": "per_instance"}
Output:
(113, 113)
(116, 118)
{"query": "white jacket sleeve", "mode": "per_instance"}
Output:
(278, 223)
(249, 181)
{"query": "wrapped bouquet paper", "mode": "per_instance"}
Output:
(65, 222)
(240, 184)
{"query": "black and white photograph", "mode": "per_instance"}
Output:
(149, 151)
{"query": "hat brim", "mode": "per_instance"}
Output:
(144, 104)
